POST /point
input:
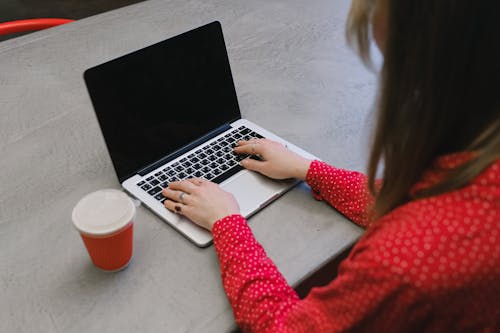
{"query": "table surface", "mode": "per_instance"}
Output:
(293, 73)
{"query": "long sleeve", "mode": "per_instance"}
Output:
(262, 300)
(257, 291)
(345, 190)
(430, 265)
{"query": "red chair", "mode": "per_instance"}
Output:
(30, 25)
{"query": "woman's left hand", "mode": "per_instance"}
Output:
(200, 200)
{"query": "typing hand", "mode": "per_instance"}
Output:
(276, 160)
(201, 201)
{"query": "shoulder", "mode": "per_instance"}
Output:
(445, 247)
(441, 238)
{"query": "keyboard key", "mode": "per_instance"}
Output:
(183, 160)
(206, 169)
(179, 168)
(150, 178)
(197, 166)
(189, 170)
(164, 184)
(213, 165)
(191, 156)
(163, 177)
(175, 164)
(224, 167)
(198, 151)
(198, 174)
(159, 196)
(240, 157)
(141, 183)
(205, 162)
(245, 131)
(220, 139)
(221, 177)
(158, 174)
(195, 159)
(186, 164)
(170, 172)
(146, 187)
(202, 156)
(216, 172)
(256, 157)
(154, 182)
(209, 176)
(154, 190)
(181, 175)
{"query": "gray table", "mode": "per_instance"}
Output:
(293, 73)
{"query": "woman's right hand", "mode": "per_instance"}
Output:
(277, 161)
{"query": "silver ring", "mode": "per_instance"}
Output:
(181, 197)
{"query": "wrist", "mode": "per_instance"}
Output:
(215, 223)
(220, 217)
(302, 168)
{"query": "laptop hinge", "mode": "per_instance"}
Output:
(184, 149)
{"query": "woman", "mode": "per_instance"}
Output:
(429, 260)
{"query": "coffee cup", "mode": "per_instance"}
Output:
(105, 221)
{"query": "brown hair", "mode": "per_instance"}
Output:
(439, 92)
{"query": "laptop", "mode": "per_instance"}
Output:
(169, 112)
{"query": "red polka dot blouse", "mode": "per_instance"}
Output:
(431, 265)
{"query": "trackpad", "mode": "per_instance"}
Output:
(253, 191)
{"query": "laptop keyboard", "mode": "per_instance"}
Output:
(215, 161)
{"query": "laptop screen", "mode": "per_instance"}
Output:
(154, 101)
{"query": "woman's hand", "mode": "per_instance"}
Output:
(201, 201)
(277, 161)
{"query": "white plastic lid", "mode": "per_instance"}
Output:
(103, 212)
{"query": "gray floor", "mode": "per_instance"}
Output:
(73, 9)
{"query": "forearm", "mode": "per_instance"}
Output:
(258, 293)
(345, 190)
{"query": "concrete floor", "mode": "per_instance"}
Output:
(74, 9)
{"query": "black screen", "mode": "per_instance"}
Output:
(154, 101)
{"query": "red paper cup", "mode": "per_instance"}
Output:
(105, 220)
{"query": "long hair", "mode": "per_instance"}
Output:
(439, 92)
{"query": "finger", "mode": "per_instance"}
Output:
(253, 165)
(246, 142)
(175, 195)
(251, 147)
(176, 207)
(197, 181)
(183, 185)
